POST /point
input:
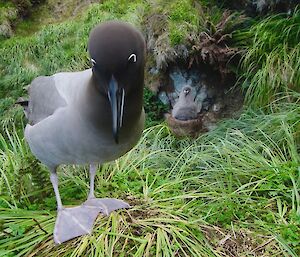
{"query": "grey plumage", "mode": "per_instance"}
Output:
(89, 117)
(185, 108)
(65, 131)
(44, 99)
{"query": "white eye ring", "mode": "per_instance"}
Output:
(132, 56)
(186, 91)
(93, 61)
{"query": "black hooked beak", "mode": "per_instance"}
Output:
(116, 98)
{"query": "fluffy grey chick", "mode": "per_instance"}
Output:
(185, 108)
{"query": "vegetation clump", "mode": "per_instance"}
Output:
(191, 33)
(12, 11)
(271, 64)
(8, 14)
(210, 45)
(254, 7)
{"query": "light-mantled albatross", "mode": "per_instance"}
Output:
(89, 117)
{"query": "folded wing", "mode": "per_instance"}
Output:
(44, 99)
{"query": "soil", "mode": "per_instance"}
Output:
(233, 243)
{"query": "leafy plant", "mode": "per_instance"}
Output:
(154, 108)
(210, 45)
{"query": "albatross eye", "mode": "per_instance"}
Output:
(186, 91)
(132, 58)
(93, 62)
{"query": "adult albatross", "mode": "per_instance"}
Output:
(89, 117)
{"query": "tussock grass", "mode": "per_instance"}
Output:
(240, 180)
(272, 63)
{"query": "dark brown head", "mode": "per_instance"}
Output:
(117, 52)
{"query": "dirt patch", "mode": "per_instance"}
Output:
(239, 243)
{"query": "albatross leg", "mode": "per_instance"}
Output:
(93, 170)
(106, 205)
(54, 181)
(71, 222)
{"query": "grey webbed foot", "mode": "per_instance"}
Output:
(74, 222)
(107, 205)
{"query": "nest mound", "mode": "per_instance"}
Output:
(180, 128)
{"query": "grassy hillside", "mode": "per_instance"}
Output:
(234, 191)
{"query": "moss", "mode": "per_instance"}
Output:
(119, 7)
(183, 11)
(7, 11)
(183, 18)
(154, 108)
(176, 36)
(8, 14)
